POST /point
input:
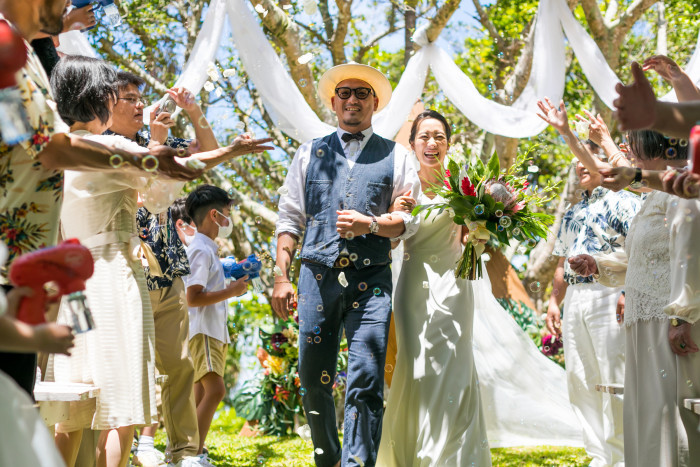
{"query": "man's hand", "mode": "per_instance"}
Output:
(238, 287)
(617, 178)
(184, 98)
(664, 66)
(681, 342)
(79, 18)
(351, 224)
(685, 184)
(160, 125)
(636, 103)
(173, 166)
(583, 265)
(555, 117)
(282, 299)
(53, 338)
(403, 203)
(620, 309)
(553, 319)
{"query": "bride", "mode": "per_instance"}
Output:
(440, 410)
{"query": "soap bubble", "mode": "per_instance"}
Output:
(353, 257)
(319, 277)
(317, 339)
(319, 308)
(498, 213)
(149, 163)
(349, 236)
(671, 153)
(362, 286)
(325, 377)
(302, 391)
(377, 291)
(406, 256)
(317, 329)
(355, 305)
(320, 152)
(388, 368)
(116, 161)
(433, 258)
(535, 286)
(516, 231)
(366, 261)
(479, 209)
(505, 221)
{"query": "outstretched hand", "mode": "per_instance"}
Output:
(554, 116)
(245, 144)
(597, 129)
(172, 166)
(685, 184)
(664, 66)
(636, 103)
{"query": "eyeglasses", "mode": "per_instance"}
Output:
(132, 100)
(360, 93)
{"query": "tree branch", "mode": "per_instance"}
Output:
(285, 33)
(443, 15)
(595, 20)
(487, 23)
(132, 66)
(362, 51)
(337, 45)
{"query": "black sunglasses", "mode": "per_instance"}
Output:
(360, 93)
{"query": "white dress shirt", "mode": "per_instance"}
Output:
(206, 270)
(292, 212)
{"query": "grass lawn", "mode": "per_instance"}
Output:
(226, 448)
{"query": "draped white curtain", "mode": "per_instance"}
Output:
(292, 114)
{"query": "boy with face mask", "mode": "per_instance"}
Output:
(208, 207)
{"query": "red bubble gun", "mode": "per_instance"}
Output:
(68, 265)
(695, 148)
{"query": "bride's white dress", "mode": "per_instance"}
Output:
(467, 378)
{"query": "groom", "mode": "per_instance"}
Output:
(338, 191)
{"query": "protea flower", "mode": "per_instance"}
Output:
(501, 192)
(551, 345)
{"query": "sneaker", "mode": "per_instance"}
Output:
(195, 461)
(150, 457)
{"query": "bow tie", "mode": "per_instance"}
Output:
(351, 136)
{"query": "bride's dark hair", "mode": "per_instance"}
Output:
(648, 144)
(426, 114)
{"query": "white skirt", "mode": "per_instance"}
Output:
(118, 355)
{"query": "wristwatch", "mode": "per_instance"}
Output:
(675, 322)
(374, 225)
(637, 182)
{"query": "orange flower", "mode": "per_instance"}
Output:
(262, 355)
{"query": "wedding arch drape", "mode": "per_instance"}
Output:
(291, 113)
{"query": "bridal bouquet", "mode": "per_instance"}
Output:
(492, 203)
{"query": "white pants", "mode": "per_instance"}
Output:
(659, 431)
(594, 348)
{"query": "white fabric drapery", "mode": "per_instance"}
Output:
(294, 116)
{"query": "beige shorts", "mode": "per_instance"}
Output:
(208, 356)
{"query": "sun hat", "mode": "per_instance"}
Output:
(352, 70)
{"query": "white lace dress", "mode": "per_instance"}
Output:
(653, 430)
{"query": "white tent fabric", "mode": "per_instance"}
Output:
(294, 116)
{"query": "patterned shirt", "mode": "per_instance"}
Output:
(30, 195)
(597, 224)
(158, 231)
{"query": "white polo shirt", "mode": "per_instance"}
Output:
(206, 270)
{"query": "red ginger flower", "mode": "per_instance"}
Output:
(467, 187)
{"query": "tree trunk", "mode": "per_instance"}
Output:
(541, 267)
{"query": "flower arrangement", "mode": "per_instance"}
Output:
(273, 398)
(490, 202)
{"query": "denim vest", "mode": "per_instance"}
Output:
(331, 185)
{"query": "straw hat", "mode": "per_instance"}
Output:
(352, 70)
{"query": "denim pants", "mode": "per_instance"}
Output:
(363, 309)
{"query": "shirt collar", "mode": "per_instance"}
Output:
(597, 193)
(142, 137)
(368, 132)
(208, 242)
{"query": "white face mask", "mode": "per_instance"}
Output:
(225, 230)
(188, 238)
